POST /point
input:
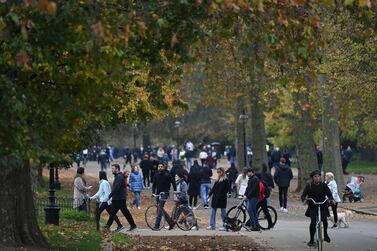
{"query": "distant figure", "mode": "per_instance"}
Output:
(103, 159)
(205, 183)
(232, 174)
(319, 159)
(136, 185)
(275, 157)
(241, 183)
(80, 191)
(194, 184)
(146, 166)
(283, 176)
(203, 155)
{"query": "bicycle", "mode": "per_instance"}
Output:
(181, 215)
(319, 225)
(238, 215)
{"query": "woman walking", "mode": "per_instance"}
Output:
(194, 185)
(102, 196)
(331, 183)
(136, 185)
(283, 176)
(219, 200)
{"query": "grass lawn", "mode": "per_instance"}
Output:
(362, 167)
(73, 234)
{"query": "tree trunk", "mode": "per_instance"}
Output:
(258, 135)
(18, 222)
(240, 146)
(304, 134)
(331, 141)
(146, 137)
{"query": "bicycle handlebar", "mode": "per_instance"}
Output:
(317, 203)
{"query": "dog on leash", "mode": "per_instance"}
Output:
(343, 217)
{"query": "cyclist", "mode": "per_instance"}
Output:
(317, 190)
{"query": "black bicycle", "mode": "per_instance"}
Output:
(238, 215)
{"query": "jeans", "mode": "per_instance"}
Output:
(252, 210)
(137, 199)
(212, 222)
(204, 191)
(160, 201)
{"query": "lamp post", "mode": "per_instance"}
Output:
(52, 210)
(57, 182)
(177, 124)
(243, 118)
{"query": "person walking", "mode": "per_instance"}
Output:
(205, 184)
(102, 196)
(232, 174)
(219, 194)
(317, 191)
(264, 193)
(241, 183)
(203, 155)
(136, 185)
(80, 191)
(194, 185)
(252, 196)
(118, 196)
(162, 181)
(283, 176)
(146, 167)
(331, 183)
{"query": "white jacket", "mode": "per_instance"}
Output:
(334, 190)
(103, 192)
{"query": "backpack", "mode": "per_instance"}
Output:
(267, 190)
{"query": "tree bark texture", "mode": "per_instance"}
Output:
(240, 146)
(331, 136)
(18, 221)
(304, 136)
(258, 135)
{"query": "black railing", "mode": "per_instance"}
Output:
(65, 204)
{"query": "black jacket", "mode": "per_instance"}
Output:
(162, 181)
(194, 181)
(283, 176)
(318, 193)
(219, 191)
(206, 174)
(232, 174)
(252, 190)
(146, 165)
(119, 190)
(267, 178)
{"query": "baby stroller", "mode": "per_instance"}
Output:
(353, 189)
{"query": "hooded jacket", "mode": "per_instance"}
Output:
(283, 175)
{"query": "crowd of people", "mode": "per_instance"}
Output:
(162, 172)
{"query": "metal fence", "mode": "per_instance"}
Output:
(65, 204)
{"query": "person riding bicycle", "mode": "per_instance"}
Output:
(317, 190)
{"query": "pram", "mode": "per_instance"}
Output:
(353, 189)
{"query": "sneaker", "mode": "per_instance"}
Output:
(195, 207)
(210, 228)
(156, 229)
(334, 226)
(138, 207)
(131, 229)
(327, 239)
(285, 210)
(311, 244)
(282, 209)
(193, 228)
(206, 206)
(222, 229)
(119, 229)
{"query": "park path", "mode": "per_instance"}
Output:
(290, 233)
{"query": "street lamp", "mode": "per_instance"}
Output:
(52, 210)
(243, 118)
(57, 184)
(177, 124)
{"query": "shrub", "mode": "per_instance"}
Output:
(75, 215)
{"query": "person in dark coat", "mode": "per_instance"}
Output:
(317, 190)
(252, 196)
(232, 174)
(194, 184)
(283, 176)
(146, 167)
(205, 184)
(118, 195)
(219, 194)
(267, 177)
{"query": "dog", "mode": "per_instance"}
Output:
(343, 217)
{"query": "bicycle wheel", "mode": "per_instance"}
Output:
(262, 218)
(185, 218)
(151, 217)
(238, 215)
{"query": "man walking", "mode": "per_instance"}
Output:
(118, 196)
(161, 184)
(146, 167)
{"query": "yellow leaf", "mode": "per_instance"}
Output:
(365, 3)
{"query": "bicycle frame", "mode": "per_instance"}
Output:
(319, 226)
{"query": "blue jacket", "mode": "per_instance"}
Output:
(136, 182)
